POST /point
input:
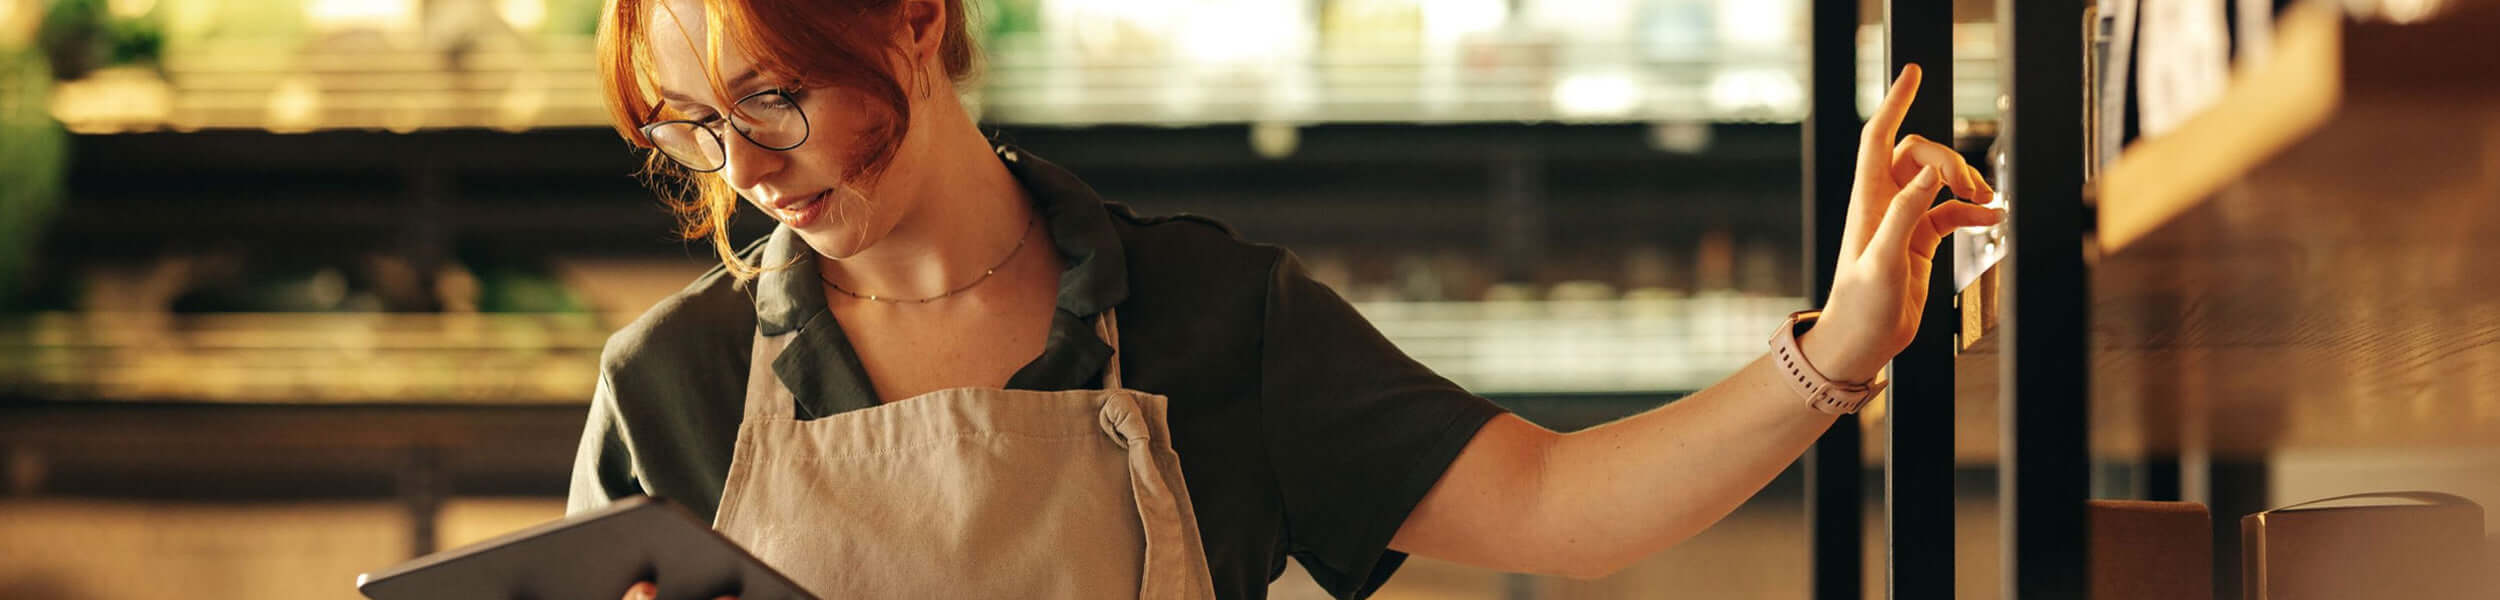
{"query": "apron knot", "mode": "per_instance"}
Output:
(1124, 421)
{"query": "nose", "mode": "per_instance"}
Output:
(747, 164)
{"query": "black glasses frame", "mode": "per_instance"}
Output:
(806, 130)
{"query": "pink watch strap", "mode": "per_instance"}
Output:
(1831, 397)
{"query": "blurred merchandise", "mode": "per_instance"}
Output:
(2419, 545)
(1978, 249)
(406, 65)
(2112, 84)
(344, 358)
(83, 35)
(2148, 549)
(2252, 31)
(517, 284)
(33, 159)
(2186, 46)
(1678, 31)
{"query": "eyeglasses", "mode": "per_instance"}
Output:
(774, 122)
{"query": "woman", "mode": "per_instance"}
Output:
(954, 371)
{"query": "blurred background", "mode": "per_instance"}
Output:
(292, 290)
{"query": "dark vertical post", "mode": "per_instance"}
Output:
(2161, 477)
(2236, 486)
(2046, 353)
(1918, 463)
(423, 486)
(1517, 212)
(1834, 471)
(426, 240)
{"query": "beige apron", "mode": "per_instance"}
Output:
(966, 493)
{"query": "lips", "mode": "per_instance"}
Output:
(800, 212)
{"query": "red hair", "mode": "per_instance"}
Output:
(845, 44)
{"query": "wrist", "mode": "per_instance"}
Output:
(1829, 355)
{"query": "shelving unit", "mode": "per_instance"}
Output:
(2303, 268)
(286, 68)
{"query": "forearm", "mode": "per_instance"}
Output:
(1590, 502)
(1628, 489)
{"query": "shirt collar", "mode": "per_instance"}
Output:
(1097, 265)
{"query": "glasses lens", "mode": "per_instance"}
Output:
(773, 121)
(690, 145)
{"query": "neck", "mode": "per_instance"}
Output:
(967, 213)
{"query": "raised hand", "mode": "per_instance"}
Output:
(1888, 247)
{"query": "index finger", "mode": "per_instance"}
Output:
(1886, 122)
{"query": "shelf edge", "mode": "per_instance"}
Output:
(2265, 111)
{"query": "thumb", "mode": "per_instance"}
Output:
(1906, 213)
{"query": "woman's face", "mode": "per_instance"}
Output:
(803, 186)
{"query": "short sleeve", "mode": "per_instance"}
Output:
(1357, 431)
(603, 467)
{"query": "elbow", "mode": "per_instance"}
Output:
(1582, 561)
(1561, 540)
(1587, 562)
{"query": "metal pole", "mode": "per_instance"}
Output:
(2046, 354)
(1918, 463)
(1834, 468)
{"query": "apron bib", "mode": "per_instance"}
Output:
(966, 492)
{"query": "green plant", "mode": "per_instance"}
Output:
(82, 35)
(33, 156)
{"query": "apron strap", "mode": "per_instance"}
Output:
(1174, 566)
(1108, 326)
(766, 398)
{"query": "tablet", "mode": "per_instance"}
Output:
(591, 556)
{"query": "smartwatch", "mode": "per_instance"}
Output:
(1831, 397)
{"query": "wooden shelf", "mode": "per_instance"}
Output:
(2312, 264)
(1980, 305)
(2329, 94)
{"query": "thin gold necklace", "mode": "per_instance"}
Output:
(985, 275)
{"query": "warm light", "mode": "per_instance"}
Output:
(294, 105)
(1757, 24)
(17, 22)
(1274, 140)
(190, 17)
(1113, 28)
(1680, 137)
(1447, 20)
(406, 114)
(1594, 96)
(113, 99)
(1764, 90)
(1238, 31)
(130, 9)
(352, 14)
(2408, 11)
(522, 15)
(518, 110)
(1587, 20)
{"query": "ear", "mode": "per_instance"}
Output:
(924, 27)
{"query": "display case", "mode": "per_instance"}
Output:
(2283, 297)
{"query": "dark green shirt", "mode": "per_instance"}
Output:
(1301, 430)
